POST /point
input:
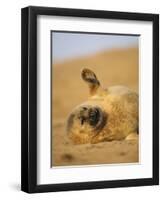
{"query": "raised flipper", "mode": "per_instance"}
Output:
(91, 79)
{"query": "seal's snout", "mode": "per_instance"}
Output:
(83, 115)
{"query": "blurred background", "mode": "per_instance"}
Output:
(114, 59)
(69, 45)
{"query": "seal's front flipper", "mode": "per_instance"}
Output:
(132, 136)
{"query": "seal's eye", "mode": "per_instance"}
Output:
(94, 115)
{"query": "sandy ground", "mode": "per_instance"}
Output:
(116, 67)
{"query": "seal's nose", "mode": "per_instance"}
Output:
(84, 114)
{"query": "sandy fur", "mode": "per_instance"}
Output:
(121, 107)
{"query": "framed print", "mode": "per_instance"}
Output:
(90, 99)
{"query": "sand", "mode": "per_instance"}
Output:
(113, 67)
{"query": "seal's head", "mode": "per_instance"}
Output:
(85, 123)
(103, 116)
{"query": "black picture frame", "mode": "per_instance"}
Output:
(29, 99)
